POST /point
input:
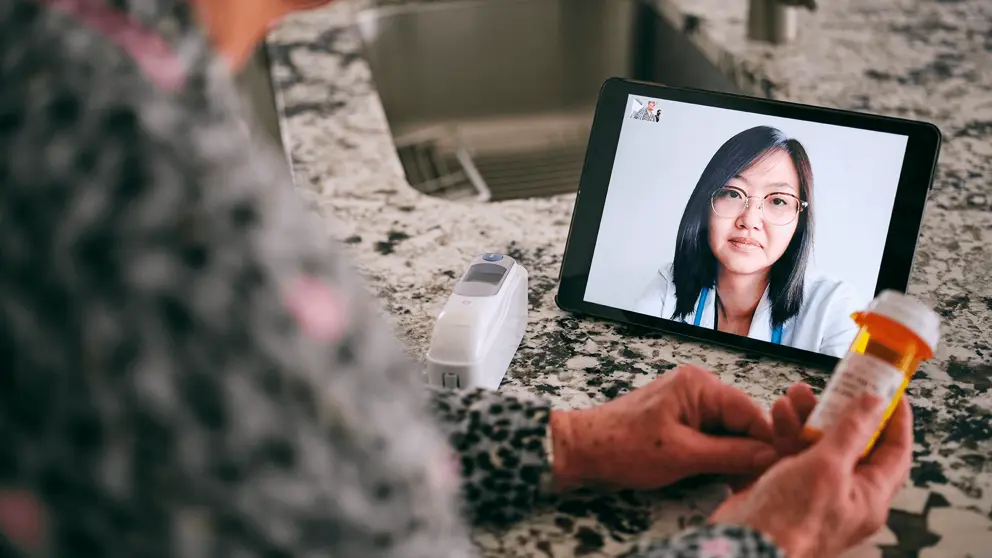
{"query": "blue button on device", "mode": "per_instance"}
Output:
(492, 257)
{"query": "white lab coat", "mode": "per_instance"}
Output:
(823, 325)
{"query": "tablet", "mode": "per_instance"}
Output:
(756, 224)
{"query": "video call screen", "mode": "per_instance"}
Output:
(755, 225)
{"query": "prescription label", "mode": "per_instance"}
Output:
(855, 374)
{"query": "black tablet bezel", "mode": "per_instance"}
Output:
(915, 181)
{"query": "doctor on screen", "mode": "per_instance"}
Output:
(742, 249)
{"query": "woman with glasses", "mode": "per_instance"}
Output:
(742, 250)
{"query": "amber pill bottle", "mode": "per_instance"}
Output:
(896, 333)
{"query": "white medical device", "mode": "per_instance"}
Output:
(481, 326)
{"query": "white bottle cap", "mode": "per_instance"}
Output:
(911, 313)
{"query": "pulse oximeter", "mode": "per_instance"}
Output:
(481, 325)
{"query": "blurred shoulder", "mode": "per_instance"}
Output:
(69, 78)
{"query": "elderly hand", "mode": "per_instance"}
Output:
(825, 499)
(685, 423)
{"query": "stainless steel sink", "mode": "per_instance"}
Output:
(255, 84)
(493, 99)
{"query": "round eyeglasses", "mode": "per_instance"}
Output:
(777, 208)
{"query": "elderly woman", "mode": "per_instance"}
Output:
(187, 369)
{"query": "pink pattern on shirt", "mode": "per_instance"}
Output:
(148, 49)
(715, 548)
(446, 472)
(21, 519)
(317, 308)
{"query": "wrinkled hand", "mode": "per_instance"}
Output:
(789, 414)
(823, 500)
(685, 423)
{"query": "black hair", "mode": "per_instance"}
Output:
(695, 266)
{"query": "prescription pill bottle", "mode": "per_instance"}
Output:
(896, 333)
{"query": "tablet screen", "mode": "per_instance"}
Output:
(761, 226)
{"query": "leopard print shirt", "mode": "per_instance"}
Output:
(187, 367)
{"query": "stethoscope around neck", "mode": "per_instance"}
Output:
(704, 294)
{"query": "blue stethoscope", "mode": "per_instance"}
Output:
(776, 333)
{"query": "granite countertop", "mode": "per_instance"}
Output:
(920, 59)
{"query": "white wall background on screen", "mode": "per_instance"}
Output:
(855, 177)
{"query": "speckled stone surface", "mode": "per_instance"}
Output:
(929, 60)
